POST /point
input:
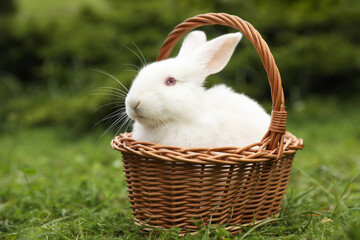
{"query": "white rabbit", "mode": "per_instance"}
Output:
(171, 107)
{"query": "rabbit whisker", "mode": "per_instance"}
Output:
(128, 124)
(116, 95)
(109, 104)
(109, 75)
(136, 54)
(124, 126)
(122, 105)
(132, 65)
(111, 93)
(131, 70)
(115, 98)
(111, 115)
(111, 126)
(114, 89)
(142, 55)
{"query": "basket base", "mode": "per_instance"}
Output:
(147, 228)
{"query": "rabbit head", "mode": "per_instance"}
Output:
(171, 90)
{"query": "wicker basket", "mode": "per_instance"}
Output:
(186, 187)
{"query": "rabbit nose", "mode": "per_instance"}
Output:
(134, 105)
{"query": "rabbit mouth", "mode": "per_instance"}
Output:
(145, 118)
(142, 118)
(136, 114)
(148, 120)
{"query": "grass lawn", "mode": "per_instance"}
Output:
(56, 184)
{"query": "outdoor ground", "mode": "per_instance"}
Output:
(57, 185)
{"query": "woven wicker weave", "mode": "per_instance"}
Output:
(171, 186)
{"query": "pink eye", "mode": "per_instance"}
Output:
(170, 81)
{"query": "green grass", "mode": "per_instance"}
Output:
(56, 184)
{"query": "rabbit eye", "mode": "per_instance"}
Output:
(170, 81)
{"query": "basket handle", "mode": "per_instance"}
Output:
(277, 128)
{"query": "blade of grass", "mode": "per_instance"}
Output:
(259, 225)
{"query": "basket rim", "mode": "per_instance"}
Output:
(256, 152)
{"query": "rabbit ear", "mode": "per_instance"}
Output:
(213, 56)
(192, 41)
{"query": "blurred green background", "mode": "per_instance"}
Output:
(48, 47)
(59, 178)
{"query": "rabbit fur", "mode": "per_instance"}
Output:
(184, 113)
